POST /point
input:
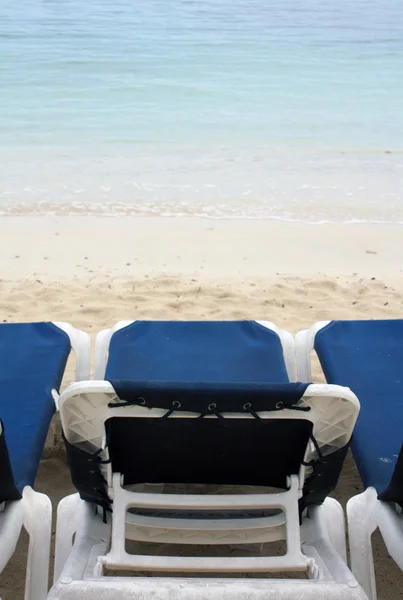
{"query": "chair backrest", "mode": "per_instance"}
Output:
(33, 357)
(196, 351)
(255, 434)
(367, 356)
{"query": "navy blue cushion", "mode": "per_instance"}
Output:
(367, 356)
(32, 362)
(192, 351)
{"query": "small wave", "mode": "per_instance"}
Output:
(178, 210)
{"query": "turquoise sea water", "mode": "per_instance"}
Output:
(288, 109)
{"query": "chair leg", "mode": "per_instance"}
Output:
(336, 526)
(324, 547)
(390, 524)
(92, 536)
(361, 511)
(38, 523)
(65, 529)
(11, 523)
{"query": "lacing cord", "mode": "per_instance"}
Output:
(211, 409)
(139, 401)
(281, 406)
(102, 497)
(95, 457)
(313, 462)
(248, 407)
(175, 406)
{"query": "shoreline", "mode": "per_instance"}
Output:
(203, 214)
(194, 216)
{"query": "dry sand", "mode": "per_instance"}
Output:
(77, 246)
(94, 272)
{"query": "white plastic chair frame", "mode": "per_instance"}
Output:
(317, 548)
(365, 513)
(104, 337)
(34, 510)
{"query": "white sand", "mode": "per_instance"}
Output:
(74, 246)
(93, 272)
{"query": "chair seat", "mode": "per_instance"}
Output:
(33, 357)
(367, 356)
(194, 351)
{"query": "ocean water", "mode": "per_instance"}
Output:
(282, 109)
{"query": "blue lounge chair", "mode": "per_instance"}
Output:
(202, 403)
(33, 357)
(367, 356)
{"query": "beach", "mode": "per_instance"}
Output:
(93, 272)
(199, 160)
(90, 247)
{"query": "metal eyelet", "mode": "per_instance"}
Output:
(280, 404)
(141, 400)
(176, 404)
(247, 406)
(212, 406)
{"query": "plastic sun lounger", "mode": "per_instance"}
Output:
(367, 356)
(196, 403)
(33, 357)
